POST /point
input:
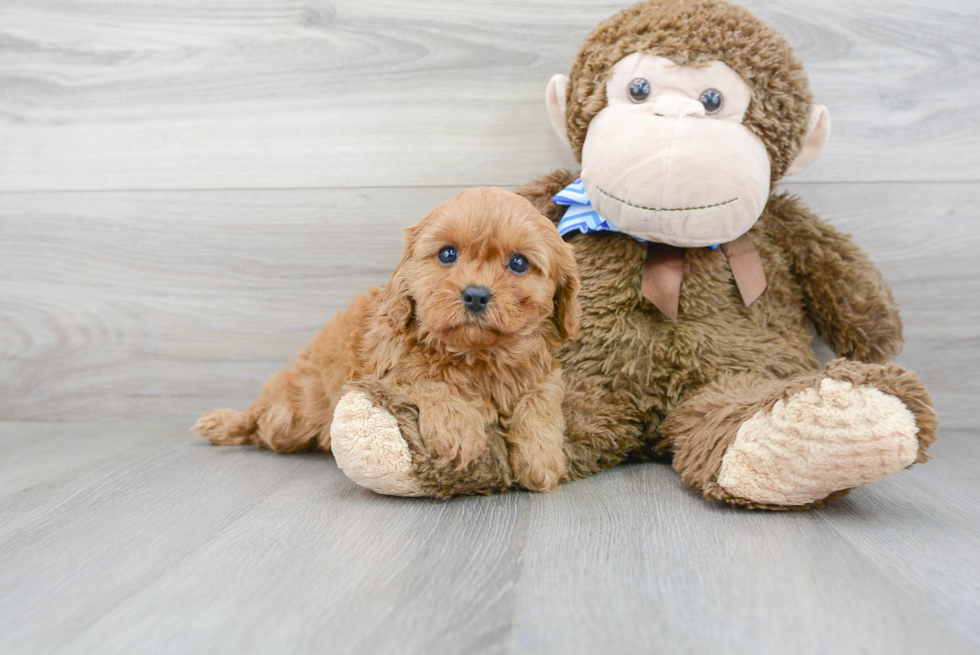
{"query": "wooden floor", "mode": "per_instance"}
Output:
(140, 537)
(190, 188)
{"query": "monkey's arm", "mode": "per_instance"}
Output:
(377, 440)
(846, 298)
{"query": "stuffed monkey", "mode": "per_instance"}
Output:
(699, 283)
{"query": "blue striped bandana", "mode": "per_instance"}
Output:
(580, 215)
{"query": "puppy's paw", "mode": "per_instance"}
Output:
(538, 469)
(223, 427)
(457, 449)
(453, 433)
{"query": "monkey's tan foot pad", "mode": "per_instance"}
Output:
(827, 438)
(369, 447)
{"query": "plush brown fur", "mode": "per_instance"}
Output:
(470, 388)
(640, 386)
(721, 362)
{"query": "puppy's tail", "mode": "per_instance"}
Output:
(226, 427)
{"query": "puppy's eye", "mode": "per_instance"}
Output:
(517, 264)
(448, 255)
(712, 101)
(639, 90)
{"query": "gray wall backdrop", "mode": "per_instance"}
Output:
(190, 188)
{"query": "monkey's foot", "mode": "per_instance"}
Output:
(823, 439)
(369, 448)
(797, 443)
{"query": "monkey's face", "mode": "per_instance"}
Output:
(668, 159)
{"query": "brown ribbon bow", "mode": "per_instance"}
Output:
(664, 271)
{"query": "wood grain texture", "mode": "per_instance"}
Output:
(175, 546)
(276, 94)
(166, 304)
(188, 190)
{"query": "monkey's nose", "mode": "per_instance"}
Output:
(476, 299)
(673, 106)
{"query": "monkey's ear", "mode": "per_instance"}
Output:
(814, 142)
(555, 97)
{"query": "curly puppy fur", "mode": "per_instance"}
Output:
(469, 385)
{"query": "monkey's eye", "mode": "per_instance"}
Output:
(448, 255)
(712, 101)
(639, 90)
(517, 264)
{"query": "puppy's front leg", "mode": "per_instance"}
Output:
(535, 436)
(452, 428)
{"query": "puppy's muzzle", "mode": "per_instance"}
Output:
(476, 299)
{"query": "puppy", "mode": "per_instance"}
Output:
(467, 328)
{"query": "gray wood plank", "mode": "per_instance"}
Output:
(108, 294)
(191, 548)
(641, 563)
(50, 465)
(319, 562)
(269, 93)
(338, 573)
(38, 451)
(926, 530)
(120, 532)
(166, 304)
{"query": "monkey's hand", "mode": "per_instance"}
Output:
(368, 445)
(376, 438)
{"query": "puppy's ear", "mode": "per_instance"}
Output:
(567, 309)
(395, 305)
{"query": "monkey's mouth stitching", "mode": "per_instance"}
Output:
(669, 209)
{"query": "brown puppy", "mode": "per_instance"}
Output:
(467, 328)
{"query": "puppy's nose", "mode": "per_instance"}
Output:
(476, 299)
